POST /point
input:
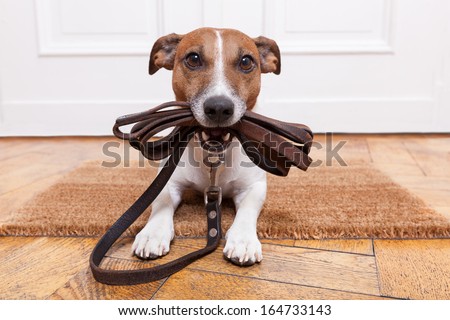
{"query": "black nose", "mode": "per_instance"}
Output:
(218, 108)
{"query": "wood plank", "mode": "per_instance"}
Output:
(434, 198)
(389, 150)
(435, 191)
(424, 182)
(16, 165)
(38, 158)
(354, 150)
(13, 147)
(445, 211)
(309, 267)
(84, 286)
(392, 169)
(201, 285)
(432, 155)
(13, 200)
(359, 246)
(38, 267)
(415, 269)
(279, 242)
(9, 245)
(17, 172)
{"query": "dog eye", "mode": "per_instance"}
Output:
(246, 64)
(193, 60)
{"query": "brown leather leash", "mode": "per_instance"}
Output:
(273, 145)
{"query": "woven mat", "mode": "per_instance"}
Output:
(356, 201)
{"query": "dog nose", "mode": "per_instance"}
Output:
(218, 108)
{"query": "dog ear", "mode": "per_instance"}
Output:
(163, 52)
(269, 54)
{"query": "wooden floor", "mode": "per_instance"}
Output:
(57, 268)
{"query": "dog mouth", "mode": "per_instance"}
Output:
(214, 140)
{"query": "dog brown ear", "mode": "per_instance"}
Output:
(269, 54)
(163, 52)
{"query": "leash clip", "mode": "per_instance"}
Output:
(213, 192)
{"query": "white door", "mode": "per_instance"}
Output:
(70, 67)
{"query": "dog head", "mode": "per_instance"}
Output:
(218, 71)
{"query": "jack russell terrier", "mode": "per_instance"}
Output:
(218, 71)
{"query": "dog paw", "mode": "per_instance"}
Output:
(242, 249)
(152, 242)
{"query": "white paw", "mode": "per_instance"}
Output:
(242, 248)
(153, 241)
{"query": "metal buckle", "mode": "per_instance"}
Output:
(213, 193)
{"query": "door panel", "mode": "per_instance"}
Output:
(70, 67)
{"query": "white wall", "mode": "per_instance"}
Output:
(70, 67)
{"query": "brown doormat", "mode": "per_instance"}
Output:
(326, 202)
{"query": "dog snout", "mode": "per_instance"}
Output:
(218, 108)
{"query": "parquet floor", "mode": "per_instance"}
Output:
(57, 268)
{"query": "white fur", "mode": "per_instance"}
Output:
(241, 180)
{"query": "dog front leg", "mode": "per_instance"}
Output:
(154, 239)
(242, 245)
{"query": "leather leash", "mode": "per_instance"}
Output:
(273, 145)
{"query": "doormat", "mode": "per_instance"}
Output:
(357, 201)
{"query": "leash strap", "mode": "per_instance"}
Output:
(273, 145)
(129, 277)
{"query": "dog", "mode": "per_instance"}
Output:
(218, 71)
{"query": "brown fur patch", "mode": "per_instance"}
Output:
(189, 83)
